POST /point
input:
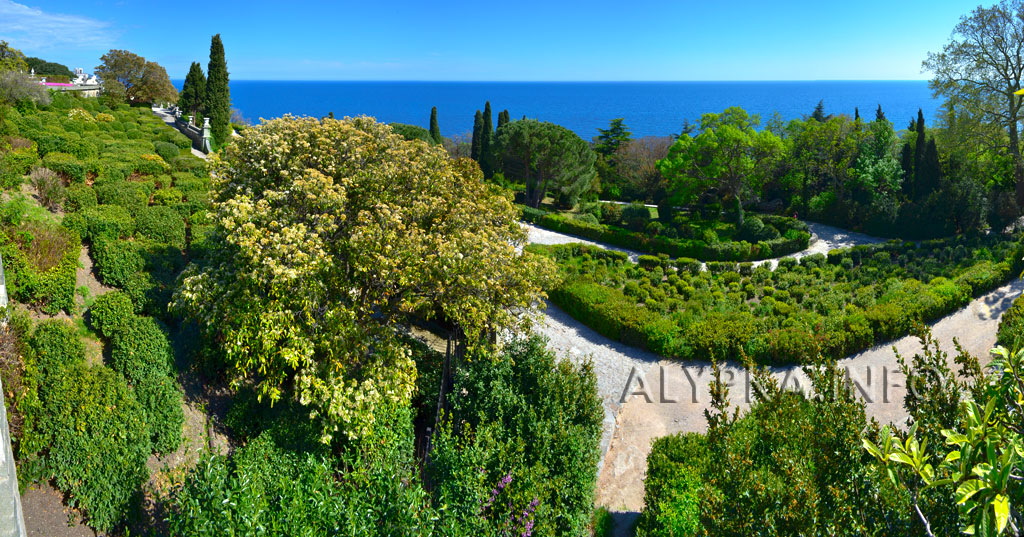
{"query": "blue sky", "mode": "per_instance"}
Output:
(526, 40)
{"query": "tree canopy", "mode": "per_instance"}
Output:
(11, 59)
(217, 104)
(44, 68)
(979, 70)
(608, 140)
(128, 76)
(328, 235)
(546, 157)
(728, 154)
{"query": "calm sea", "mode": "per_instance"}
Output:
(650, 108)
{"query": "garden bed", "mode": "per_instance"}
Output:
(831, 305)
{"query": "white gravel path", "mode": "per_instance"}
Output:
(679, 392)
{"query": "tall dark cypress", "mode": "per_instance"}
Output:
(920, 187)
(478, 128)
(435, 131)
(218, 96)
(879, 114)
(193, 92)
(486, 143)
(931, 169)
(503, 119)
(907, 163)
(856, 113)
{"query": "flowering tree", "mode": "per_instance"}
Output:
(329, 235)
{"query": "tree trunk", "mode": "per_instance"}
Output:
(739, 211)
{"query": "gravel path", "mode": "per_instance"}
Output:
(676, 394)
(169, 120)
(823, 239)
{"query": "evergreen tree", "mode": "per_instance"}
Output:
(856, 113)
(193, 91)
(487, 143)
(879, 114)
(819, 112)
(435, 130)
(930, 170)
(478, 128)
(919, 149)
(907, 163)
(608, 140)
(218, 96)
(502, 119)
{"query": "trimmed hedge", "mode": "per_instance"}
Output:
(795, 241)
(111, 313)
(790, 315)
(130, 195)
(140, 350)
(40, 264)
(1011, 326)
(79, 198)
(68, 166)
(116, 260)
(161, 399)
(101, 222)
(161, 224)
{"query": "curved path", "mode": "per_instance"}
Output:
(823, 239)
(646, 396)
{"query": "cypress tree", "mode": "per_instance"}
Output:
(879, 114)
(218, 96)
(856, 113)
(502, 119)
(907, 163)
(931, 169)
(193, 92)
(435, 131)
(919, 147)
(486, 143)
(478, 128)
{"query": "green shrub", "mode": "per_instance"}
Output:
(104, 222)
(116, 260)
(167, 196)
(1011, 326)
(79, 198)
(19, 161)
(161, 399)
(166, 150)
(161, 224)
(130, 195)
(66, 165)
(141, 349)
(111, 313)
(97, 445)
(40, 262)
(191, 164)
(57, 349)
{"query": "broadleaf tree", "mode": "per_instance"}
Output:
(329, 235)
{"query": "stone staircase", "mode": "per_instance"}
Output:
(12, 521)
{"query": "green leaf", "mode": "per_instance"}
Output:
(968, 489)
(952, 456)
(901, 457)
(1001, 507)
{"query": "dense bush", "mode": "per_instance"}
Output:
(111, 313)
(141, 350)
(67, 165)
(161, 399)
(87, 430)
(103, 222)
(860, 297)
(167, 151)
(130, 195)
(1011, 326)
(40, 262)
(116, 260)
(161, 224)
(531, 425)
(79, 198)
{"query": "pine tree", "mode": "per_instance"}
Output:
(478, 128)
(819, 112)
(879, 114)
(486, 143)
(193, 91)
(218, 96)
(435, 131)
(608, 140)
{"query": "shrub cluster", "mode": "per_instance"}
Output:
(708, 247)
(39, 264)
(830, 306)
